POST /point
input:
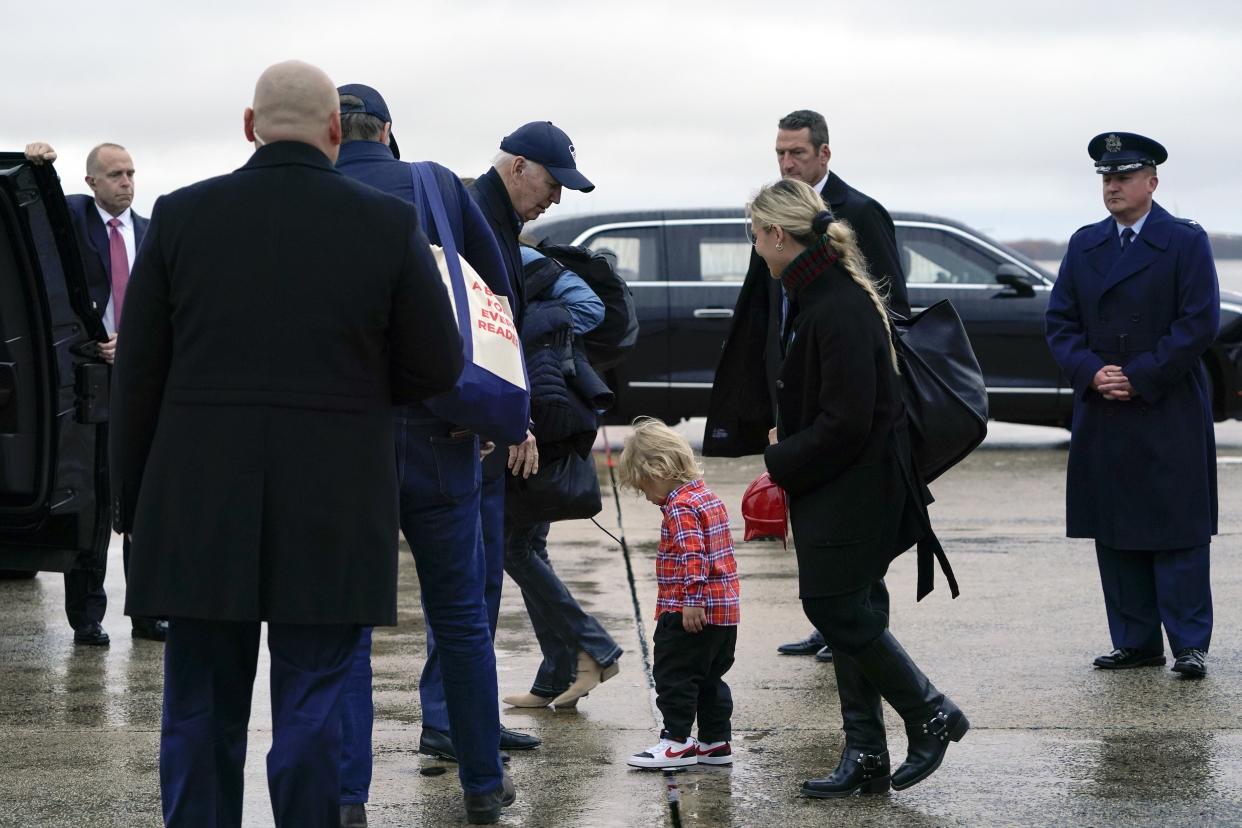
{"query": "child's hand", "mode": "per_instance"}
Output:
(771, 436)
(693, 619)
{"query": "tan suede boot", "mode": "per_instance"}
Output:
(590, 674)
(527, 700)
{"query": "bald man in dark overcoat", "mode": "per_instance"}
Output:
(274, 317)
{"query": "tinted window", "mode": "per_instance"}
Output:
(637, 250)
(932, 256)
(707, 252)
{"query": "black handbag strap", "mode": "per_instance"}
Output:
(929, 548)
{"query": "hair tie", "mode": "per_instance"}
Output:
(821, 221)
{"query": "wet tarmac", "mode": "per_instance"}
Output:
(1053, 741)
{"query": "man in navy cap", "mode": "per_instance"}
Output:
(440, 516)
(535, 163)
(1132, 312)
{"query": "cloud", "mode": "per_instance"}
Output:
(980, 111)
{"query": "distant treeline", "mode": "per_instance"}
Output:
(1224, 246)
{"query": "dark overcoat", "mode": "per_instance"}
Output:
(488, 191)
(741, 408)
(843, 455)
(274, 317)
(93, 243)
(1142, 473)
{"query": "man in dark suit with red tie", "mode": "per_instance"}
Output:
(109, 234)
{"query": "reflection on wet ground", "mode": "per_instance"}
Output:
(1053, 741)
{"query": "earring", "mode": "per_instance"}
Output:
(780, 246)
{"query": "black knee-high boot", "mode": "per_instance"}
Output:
(931, 719)
(864, 765)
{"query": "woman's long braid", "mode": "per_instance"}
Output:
(843, 241)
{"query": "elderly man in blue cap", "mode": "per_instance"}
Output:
(440, 517)
(1132, 312)
(535, 163)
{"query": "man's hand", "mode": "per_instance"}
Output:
(107, 350)
(1113, 384)
(693, 619)
(38, 152)
(524, 457)
(771, 436)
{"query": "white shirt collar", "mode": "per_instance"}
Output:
(1137, 227)
(126, 220)
(819, 188)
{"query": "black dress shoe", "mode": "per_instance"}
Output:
(484, 809)
(824, 656)
(91, 634)
(1191, 663)
(438, 744)
(512, 740)
(928, 742)
(354, 816)
(858, 773)
(152, 629)
(807, 646)
(1123, 659)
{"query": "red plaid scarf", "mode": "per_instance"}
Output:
(807, 267)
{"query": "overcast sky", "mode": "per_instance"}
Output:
(980, 111)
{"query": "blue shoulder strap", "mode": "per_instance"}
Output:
(421, 173)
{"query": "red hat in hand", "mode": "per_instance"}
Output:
(765, 511)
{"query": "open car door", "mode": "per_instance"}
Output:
(54, 510)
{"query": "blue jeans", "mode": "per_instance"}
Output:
(492, 521)
(561, 626)
(209, 671)
(440, 484)
(357, 719)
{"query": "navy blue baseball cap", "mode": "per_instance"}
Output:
(545, 144)
(1118, 152)
(372, 104)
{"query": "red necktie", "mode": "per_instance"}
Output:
(120, 269)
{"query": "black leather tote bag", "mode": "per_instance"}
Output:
(945, 395)
(566, 488)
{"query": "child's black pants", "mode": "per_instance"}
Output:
(688, 671)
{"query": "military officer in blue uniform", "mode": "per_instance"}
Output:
(1133, 310)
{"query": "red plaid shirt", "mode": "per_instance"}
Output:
(695, 565)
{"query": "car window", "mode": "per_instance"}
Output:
(637, 250)
(933, 256)
(707, 252)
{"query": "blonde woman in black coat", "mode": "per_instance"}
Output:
(841, 451)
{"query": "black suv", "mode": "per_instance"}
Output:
(685, 268)
(54, 511)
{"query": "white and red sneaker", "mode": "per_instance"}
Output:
(715, 753)
(667, 754)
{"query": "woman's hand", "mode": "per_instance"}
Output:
(771, 436)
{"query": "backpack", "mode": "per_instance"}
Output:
(945, 395)
(607, 345)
